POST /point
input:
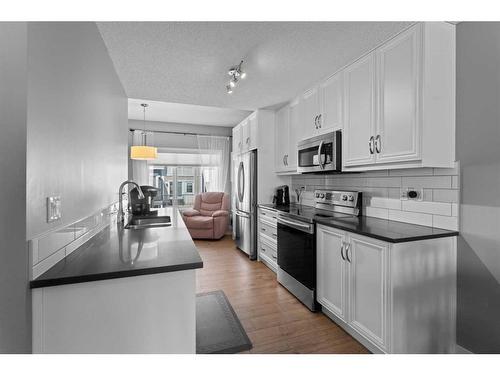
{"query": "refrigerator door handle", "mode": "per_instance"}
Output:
(241, 182)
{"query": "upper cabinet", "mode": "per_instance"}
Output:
(245, 134)
(395, 105)
(357, 138)
(399, 107)
(322, 108)
(282, 141)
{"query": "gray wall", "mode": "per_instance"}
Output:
(478, 149)
(77, 123)
(15, 319)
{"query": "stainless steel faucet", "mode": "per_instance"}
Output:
(121, 214)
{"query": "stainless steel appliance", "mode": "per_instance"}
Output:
(297, 240)
(321, 153)
(245, 202)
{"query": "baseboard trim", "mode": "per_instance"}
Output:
(461, 350)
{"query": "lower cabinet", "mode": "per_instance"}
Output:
(267, 244)
(393, 298)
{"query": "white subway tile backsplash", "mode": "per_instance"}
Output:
(381, 213)
(382, 193)
(435, 182)
(394, 204)
(411, 217)
(435, 208)
(445, 222)
(412, 172)
(445, 195)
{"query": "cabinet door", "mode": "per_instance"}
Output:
(281, 138)
(330, 96)
(253, 127)
(368, 287)
(295, 134)
(310, 105)
(245, 135)
(398, 128)
(359, 118)
(237, 139)
(331, 270)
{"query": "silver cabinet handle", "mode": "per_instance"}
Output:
(284, 160)
(370, 145)
(378, 144)
(248, 140)
(274, 256)
(348, 247)
(274, 235)
(263, 229)
(264, 250)
(319, 121)
(342, 251)
(316, 122)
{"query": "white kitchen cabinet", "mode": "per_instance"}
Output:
(367, 287)
(267, 238)
(311, 112)
(331, 102)
(295, 134)
(332, 285)
(399, 107)
(359, 124)
(253, 127)
(392, 297)
(398, 127)
(282, 138)
(237, 137)
(245, 134)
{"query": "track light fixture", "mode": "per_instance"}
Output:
(237, 74)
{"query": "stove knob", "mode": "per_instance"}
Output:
(344, 197)
(322, 195)
(317, 195)
(351, 198)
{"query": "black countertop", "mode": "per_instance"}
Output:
(385, 230)
(116, 252)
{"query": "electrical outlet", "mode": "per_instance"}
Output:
(53, 208)
(412, 194)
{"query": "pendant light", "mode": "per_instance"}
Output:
(143, 152)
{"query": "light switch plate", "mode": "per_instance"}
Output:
(53, 208)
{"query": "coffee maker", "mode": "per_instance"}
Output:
(142, 207)
(281, 196)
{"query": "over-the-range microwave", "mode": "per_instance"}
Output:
(320, 153)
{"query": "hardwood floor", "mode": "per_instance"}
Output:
(274, 319)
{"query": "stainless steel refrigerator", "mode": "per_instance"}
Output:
(245, 202)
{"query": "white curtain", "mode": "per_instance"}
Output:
(140, 171)
(214, 152)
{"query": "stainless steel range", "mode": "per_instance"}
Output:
(297, 240)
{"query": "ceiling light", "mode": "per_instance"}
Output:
(143, 152)
(236, 73)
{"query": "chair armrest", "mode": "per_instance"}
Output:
(220, 213)
(190, 212)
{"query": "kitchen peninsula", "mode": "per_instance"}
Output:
(123, 291)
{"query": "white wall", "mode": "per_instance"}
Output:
(478, 149)
(77, 123)
(15, 318)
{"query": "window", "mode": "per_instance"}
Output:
(189, 187)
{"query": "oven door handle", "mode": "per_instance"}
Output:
(296, 225)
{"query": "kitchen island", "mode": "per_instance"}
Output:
(123, 291)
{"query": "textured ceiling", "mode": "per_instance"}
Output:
(185, 113)
(187, 62)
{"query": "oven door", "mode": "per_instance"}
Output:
(297, 259)
(320, 153)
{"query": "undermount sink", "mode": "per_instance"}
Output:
(148, 222)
